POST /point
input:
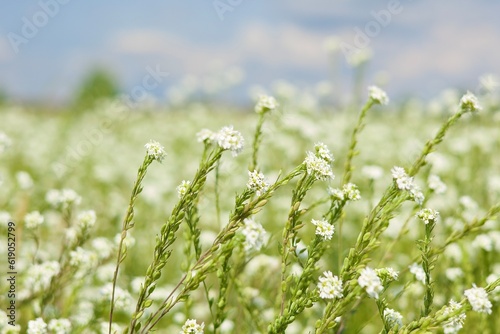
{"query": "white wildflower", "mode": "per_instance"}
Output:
(418, 271)
(416, 194)
(37, 326)
(265, 104)
(454, 324)
(255, 235)
(336, 193)
(393, 318)
(115, 328)
(330, 286)
(387, 274)
(183, 188)
(62, 198)
(478, 299)
(83, 314)
(469, 103)
(257, 182)
(103, 247)
(192, 327)
(155, 150)
(318, 167)
(369, 280)
(206, 136)
(33, 219)
(377, 95)
(323, 228)
(323, 152)
(403, 181)
(351, 192)
(60, 326)
(86, 219)
(230, 139)
(71, 235)
(83, 260)
(427, 215)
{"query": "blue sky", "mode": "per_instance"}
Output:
(425, 47)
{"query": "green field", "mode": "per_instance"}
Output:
(65, 264)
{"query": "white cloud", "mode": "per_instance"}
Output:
(283, 46)
(448, 51)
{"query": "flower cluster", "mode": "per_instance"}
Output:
(83, 260)
(351, 192)
(257, 182)
(230, 139)
(183, 188)
(255, 235)
(454, 324)
(427, 215)
(318, 167)
(33, 219)
(330, 286)
(369, 280)
(478, 299)
(62, 198)
(387, 274)
(377, 95)
(469, 103)
(206, 136)
(60, 326)
(37, 326)
(323, 152)
(265, 104)
(393, 318)
(405, 182)
(323, 228)
(192, 327)
(40, 275)
(155, 150)
(86, 219)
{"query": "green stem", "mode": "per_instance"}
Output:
(127, 225)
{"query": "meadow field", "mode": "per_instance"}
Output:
(291, 215)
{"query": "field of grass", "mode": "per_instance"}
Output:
(243, 257)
